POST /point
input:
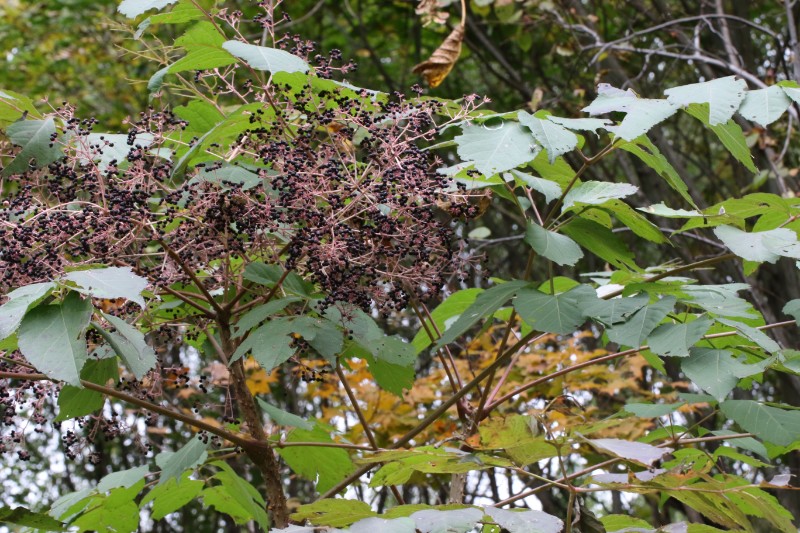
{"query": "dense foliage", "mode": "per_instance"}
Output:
(293, 293)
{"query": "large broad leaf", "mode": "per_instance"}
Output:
(484, 306)
(559, 249)
(393, 525)
(173, 464)
(496, 149)
(123, 478)
(601, 241)
(51, 337)
(712, 370)
(20, 516)
(650, 155)
(105, 148)
(326, 466)
(172, 495)
(19, 301)
(38, 150)
(519, 437)
(259, 314)
(445, 312)
(525, 521)
(236, 496)
(555, 139)
(635, 330)
(283, 418)
(616, 310)
(109, 283)
(638, 452)
(333, 512)
(554, 313)
(642, 113)
(778, 426)
(230, 174)
(754, 334)
(730, 135)
(549, 189)
(455, 521)
(675, 339)
(723, 96)
(268, 59)
(130, 345)
(720, 300)
(204, 44)
(635, 221)
(765, 106)
(134, 8)
(75, 401)
(760, 246)
(596, 193)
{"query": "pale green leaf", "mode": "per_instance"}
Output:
(104, 148)
(376, 524)
(551, 190)
(636, 329)
(283, 418)
(51, 337)
(596, 193)
(652, 410)
(638, 452)
(661, 210)
(754, 334)
(778, 426)
(19, 301)
(267, 59)
(615, 310)
(122, 478)
(230, 174)
(554, 313)
(642, 113)
(581, 124)
(720, 300)
(714, 371)
(792, 309)
(172, 495)
(557, 248)
(173, 464)
(765, 106)
(448, 310)
(109, 283)
(723, 95)
(134, 8)
(496, 149)
(674, 340)
(130, 345)
(555, 139)
(760, 246)
(455, 521)
(525, 521)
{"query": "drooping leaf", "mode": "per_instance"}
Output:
(525, 521)
(760, 246)
(778, 426)
(730, 135)
(436, 68)
(792, 308)
(674, 340)
(267, 59)
(596, 193)
(237, 497)
(755, 335)
(445, 312)
(642, 113)
(118, 508)
(283, 418)
(51, 337)
(765, 106)
(325, 466)
(130, 345)
(635, 330)
(601, 241)
(19, 301)
(723, 95)
(558, 248)
(172, 495)
(495, 149)
(635, 221)
(122, 478)
(652, 410)
(134, 8)
(261, 313)
(109, 283)
(661, 210)
(455, 521)
(334, 512)
(555, 139)
(554, 313)
(638, 452)
(615, 310)
(549, 189)
(651, 156)
(518, 437)
(715, 371)
(173, 464)
(38, 150)
(720, 300)
(21, 516)
(484, 306)
(75, 401)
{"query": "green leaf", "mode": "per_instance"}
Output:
(268, 59)
(453, 306)
(455, 521)
(118, 508)
(325, 466)
(518, 436)
(601, 241)
(746, 443)
(123, 478)
(581, 124)
(134, 8)
(652, 410)
(760, 246)
(635, 221)
(723, 95)
(642, 113)
(778, 426)
(635, 330)
(596, 193)
(51, 337)
(391, 525)
(730, 135)
(19, 301)
(765, 106)
(249, 505)
(484, 306)
(525, 521)
(651, 156)
(201, 115)
(555, 139)
(230, 174)
(559, 172)
(616, 310)
(283, 418)
(269, 343)
(333, 512)
(171, 496)
(156, 81)
(616, 522)
(674, 340)
(109, 283)
(720, 300)
(259, 314)
(792, 308)
(107, 147)
(130, 345)
(638, 452)
(13, 106)
(204, 44)
(75, 401)
(661, 210)
(224, 502)
(496, 149)
(549, 189)
(38, 150)
(557, 248)
(715, 371)
(173, 464)
(21, 516)
(755, 335)
(554, 313)
(184, 11)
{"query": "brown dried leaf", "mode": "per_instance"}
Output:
(441, 62)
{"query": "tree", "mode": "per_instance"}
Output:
(285, 246)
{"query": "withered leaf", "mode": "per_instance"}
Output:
(441, 62)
